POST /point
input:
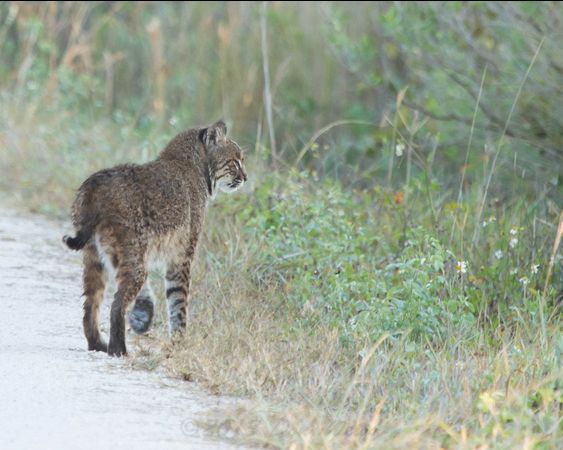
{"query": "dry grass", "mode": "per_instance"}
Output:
(308, 390)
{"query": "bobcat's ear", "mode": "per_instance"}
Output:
(215, 134)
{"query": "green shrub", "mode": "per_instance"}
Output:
(354, 261)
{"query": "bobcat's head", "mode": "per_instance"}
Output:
(226, 161)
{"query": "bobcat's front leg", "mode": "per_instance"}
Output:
(177, 290)
(178, 278)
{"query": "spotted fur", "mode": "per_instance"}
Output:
(129, 216)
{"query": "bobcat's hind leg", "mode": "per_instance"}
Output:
(140, 317)
(94, 286)
(131, 276)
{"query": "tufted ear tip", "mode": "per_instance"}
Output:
(215, 134)
(221, 125)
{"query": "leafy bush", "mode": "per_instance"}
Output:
(345, 260)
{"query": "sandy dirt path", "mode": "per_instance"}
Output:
(54, 394)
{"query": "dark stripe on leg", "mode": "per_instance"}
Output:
(176, 303)
(171, 290)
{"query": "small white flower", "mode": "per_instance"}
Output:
(513, 232)
(513, 242)
(399, 149)
(535, 268)
(461, 267)
(488, 221)
(499, 254)
(513, 271)
(524, 281)
(173, 121)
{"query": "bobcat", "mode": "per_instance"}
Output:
(131, 215)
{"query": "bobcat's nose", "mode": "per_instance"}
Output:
(243, 175)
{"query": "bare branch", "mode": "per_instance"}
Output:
(267, 91)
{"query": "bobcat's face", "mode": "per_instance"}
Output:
(231, 173)
(226, 158)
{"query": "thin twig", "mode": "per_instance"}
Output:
(492, 118)
(451, 117)
(471, 135)
(323, 130)
(553, 253)
(267, 91)
(501, 141)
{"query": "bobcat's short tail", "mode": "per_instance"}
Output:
(84, 218)
(79, 241)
